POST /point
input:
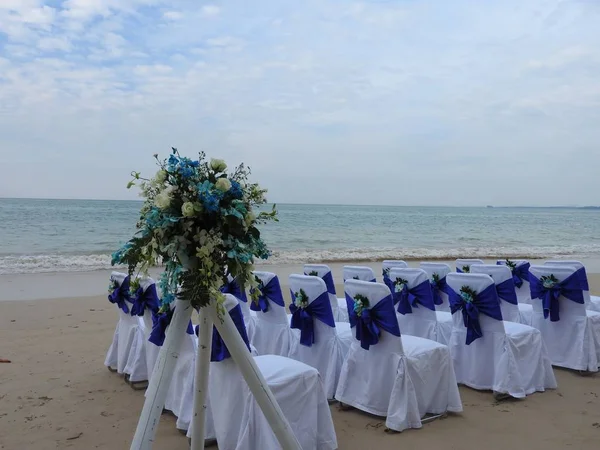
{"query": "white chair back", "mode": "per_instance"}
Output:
(324, 272)
(462, 264)
(478, 282)
(578, 265)
(376, 293)
(500, 274)
(313, 287)
(362, 273)
(567, 307)
(523, 292)
(414, 277)
(276, 313)
(441, 270)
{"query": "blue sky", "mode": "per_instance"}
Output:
(386, 102)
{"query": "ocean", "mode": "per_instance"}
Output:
(79, 235)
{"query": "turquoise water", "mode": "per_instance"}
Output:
(75, 235)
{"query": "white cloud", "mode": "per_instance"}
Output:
(211, 10)
(428, 89)
(172, 15)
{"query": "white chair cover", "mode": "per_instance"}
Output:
(523, 293)
(441, 270)
(574, 340)
(591, 302)
(151, 349)
(331, 344)
(362, 273)
(240, 294)
(422, 322)
(386, 381)
(509, 358)
(461, 264)
(128, 347)
(501, 274)
(272, 332)
(298, 389)
(323, 271)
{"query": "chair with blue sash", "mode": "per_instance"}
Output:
(437, 277)
(145, 305)
(592, 302)
(324, 272)
(570, 331)
(414, 303)
(272, 332)
(520, 272)
(362, 273)
(179, 394)
(388, 265)
(387, 374)
(464, 265)
(322, 344)
(233, 287)
(507, 358)
(127, 352)
(238, 421)
(507, 294)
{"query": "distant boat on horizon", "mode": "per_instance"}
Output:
(489, 206)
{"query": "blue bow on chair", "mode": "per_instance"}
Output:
(219, 350)
(371, 321)
(583, 279)
(506, 291)
(160, 322)
(437, 288)
(271, 291)
(145, 299)
(233, 288)
(550, 293)
(484, 302)
(303, 317)
(519, 273)
(407, 299)
(328, 279)
(120, 295)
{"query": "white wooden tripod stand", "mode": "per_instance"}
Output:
(165, 365)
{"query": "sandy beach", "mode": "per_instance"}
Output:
(56, 392)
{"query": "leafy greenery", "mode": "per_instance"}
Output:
(399, 284)
(549, 281)
(435, 277)
(313, 273)
(360, 304)
(301, 299)
(200, 223)
(511, 264)
(468, 294)
(466, 269)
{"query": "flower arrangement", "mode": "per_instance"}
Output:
(468, 294)
(511, 264)
(549, 281)
(355, 277)
(301, 299)
(313, 273)
(399, 284)
(435, 278)
(360, 304)
(386, 272)
(466, 269)
(199, 221)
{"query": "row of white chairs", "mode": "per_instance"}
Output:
(269, 328)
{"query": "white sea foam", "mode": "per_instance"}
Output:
(15, 264)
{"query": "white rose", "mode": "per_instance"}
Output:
(162, 200)
(187, 209)
(161, 176)
(250, 218)
(218, 165)
(223, 184)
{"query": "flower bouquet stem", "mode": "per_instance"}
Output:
(161, 377)
(201, 379)
(256, 382)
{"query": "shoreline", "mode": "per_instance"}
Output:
(59, 285)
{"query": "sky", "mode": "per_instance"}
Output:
(404, 102)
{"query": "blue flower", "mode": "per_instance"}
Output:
(186, 172)
(236, 190)
(210, 202)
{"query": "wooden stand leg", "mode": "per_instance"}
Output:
(256, 382)
(201, 379)
(161, 377)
